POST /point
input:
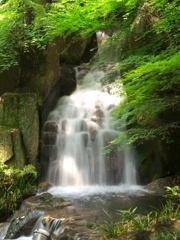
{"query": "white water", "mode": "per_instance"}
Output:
(85, 127)
(51, 225)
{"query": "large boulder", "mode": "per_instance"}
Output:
(157, 187)
(6, 145)
(20, 111)
(11, 147)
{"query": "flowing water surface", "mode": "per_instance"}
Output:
(85, 127)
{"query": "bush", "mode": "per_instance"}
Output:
(14, 184)
(130, 221)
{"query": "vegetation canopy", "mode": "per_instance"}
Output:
(26, 23)
(146, 34)
(150, 68)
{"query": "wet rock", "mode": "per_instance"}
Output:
(46, 196)
(48, 203)
(110, 106)
(49, 138)
(43, 187)
(22, 223)
(81, 74)
(3, 229)
(93, 130)
(98, 117)
(54, 116)
(93, 134)
(46, 220)
(106, 66)
(157, 187)
(51, 127)
(114, 167)
(83, 67)
(98, 104)
(49, 151)
(98, 113)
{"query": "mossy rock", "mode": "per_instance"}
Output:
(6, 145)
(11, 148)
(20, 111)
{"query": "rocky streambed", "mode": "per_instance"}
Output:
(76, 213)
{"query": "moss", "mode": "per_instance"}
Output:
(46, 196)
(151, 161)
(89, 224)
(4, 128)
(21, 111)
(59, 199)
(6, 146)
(9, 79)
(11, 148)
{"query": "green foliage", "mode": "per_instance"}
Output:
(26, 23)
(89, 224)
(166, 234)
(130, 221)
(151, 89)
(14, 184)
(20, 29)
(172, 192)
(59, 199)
(46, 196)
(147, 36)
(149, 64)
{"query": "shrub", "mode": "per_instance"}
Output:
(14, 184)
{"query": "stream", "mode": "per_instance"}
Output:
(69, 219)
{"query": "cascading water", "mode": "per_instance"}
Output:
(84, 126)
(75, 135)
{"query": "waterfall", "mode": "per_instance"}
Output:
(81, 127)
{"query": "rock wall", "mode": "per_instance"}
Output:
(157, 159)
(9, 80)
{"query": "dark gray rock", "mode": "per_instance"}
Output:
(49, 138)
(51, 127)
(43, 187)
(157, 187)
(22, 223)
